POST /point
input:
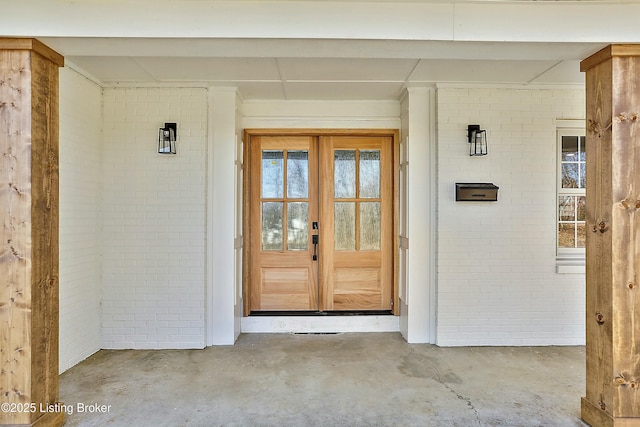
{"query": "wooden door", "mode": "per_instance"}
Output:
(356, 223)
(284, 204)
(321, 223)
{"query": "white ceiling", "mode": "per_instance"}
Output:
(320, 49)
(321, 69)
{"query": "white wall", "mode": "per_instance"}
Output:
(321, 114)
(496, 261)
(154, 219)
(80, 213)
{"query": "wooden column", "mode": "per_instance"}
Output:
(613, 237)
(29, 233)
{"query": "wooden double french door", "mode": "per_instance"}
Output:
(319, 222)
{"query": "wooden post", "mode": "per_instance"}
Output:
(29, 233)
(613, 237)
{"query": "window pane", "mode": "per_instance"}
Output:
(582, 236)
(570, 175)
(370, 226)
(572, 202)
(297, 226)
(272, 173)
(297, 174)
(344, 174)
(566, 236)
(344, 237)
(566, 208)
(271, 226)
(370, 174)
(570, 148)
(581, 211)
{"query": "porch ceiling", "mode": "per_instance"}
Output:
(320, 69)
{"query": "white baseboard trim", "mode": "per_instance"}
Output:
(319, 324)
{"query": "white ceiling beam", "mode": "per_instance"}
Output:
(315, 48)
(522, 21)
(547, 21)
(224, 19)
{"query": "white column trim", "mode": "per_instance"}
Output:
(220, 287)
(421, 216)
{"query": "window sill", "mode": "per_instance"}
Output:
(570, 265)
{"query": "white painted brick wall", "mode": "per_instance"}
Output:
(80, 213)
(154, 219)
(497, 282)
(496, 261)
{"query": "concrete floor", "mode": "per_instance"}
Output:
(329, 380)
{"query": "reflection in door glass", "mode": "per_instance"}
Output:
(272, 173)
(297, 174)
(344, 174)
(272, 226)
(297, 226)
(344, 230)
(370, 226)
(370, 173)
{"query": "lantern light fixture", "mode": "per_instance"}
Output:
(477, 139)
(167, 138)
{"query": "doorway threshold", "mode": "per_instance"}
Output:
(323, 313)
(319, 324)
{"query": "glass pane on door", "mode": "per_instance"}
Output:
(271, 226)
(297, 174)
(272, 173)
(370, 173)
(344, 174)
(297, 226)
(344, 226)
(370, 226)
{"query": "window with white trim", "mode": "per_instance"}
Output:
(571, 195)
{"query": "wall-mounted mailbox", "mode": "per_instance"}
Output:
(476, 192)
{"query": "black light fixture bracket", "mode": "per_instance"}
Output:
(471, 130)
(174, 126)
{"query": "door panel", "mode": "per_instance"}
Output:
(285, 288)
(345, 185)
(356, 223)
(283, 200)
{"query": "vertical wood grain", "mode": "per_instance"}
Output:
(598, 311)
(396, 220)
(613, 238)
(44, 208)
(28, 233)
(327, 220)
(16, 239)
(625, 232)
(246, 223)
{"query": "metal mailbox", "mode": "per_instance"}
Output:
(476, 192)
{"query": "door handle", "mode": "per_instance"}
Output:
(314, 240)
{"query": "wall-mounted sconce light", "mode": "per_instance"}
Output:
(477, 140)
(167, 138)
